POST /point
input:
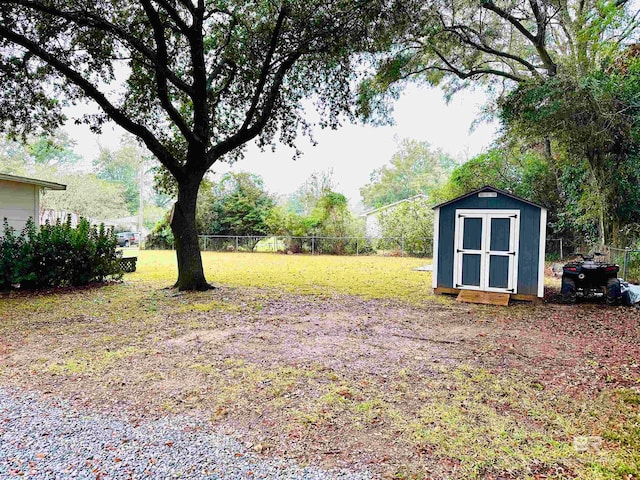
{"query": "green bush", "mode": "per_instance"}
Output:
(161, 237)
(410, 225)
(16, 257)
(57, 255)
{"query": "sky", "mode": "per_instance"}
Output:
(353, 151)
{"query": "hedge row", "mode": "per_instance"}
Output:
(57, 255)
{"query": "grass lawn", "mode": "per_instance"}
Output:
(371, 277)
(344, 361)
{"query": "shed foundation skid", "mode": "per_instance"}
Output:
(516, 297)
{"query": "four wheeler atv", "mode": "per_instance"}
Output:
(590, 279)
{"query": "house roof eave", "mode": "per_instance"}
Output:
(384, 207)
(33, 181)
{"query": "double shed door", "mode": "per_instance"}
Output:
(486, 250)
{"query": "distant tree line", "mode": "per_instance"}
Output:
(238, 205)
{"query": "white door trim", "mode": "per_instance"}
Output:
(435, 256)
(485, 252)
(541, 251)
(458, 245)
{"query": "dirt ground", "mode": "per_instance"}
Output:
(436, 390)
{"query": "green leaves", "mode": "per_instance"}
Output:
(57, 255)
(592, 123)
(409, 225)
(415, 168)
(236, 205)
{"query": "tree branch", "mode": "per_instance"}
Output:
(243, 135)
(201, 119)
(266, 65)
(161, 68)
(218, 68)
(218, 94)
(175, 15)
(483, 47)
(536, 40)
(117, 115)
(468, 74)
(489, 5)
(88, 19)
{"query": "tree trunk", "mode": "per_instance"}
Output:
(183, 225)
(601, 226)
(616, 241)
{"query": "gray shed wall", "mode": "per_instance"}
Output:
(529, 243)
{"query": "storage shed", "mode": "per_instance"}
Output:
(490, 240)
(20, 199)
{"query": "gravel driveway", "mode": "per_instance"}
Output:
(50, 439)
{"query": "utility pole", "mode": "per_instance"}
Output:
(141, 201)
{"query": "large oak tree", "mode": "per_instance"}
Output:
(194, 80)
(545, 62)
(456, 43)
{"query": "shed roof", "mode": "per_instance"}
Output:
(489, 188)
(33, 181)
(384, 207)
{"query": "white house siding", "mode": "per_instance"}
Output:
(373, 225)
(18, 202)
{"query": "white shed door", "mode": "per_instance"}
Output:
(486, 256)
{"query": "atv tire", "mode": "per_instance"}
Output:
(568, 290)
(613, 291)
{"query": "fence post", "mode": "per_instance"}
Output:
(626, 263)
(402, 254)
(313, 245)
(236, 244)
(357, 251)
(561, 254)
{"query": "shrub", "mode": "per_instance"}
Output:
(161, 237)
(16, 256)
(410, 224)
(57, 255)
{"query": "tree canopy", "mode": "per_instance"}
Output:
(315, 209)
(307, 195)
(415, 168)
(38, 155)
(51, 157)
(123, 166)
(88, 196)
(563, 80)
(409, 225)
(237, 204)
(456, 43)
(594, 122)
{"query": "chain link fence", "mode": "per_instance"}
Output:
(558, 249)
(629, 261)
(422, 247)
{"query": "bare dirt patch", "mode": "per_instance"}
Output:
(437, 390)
